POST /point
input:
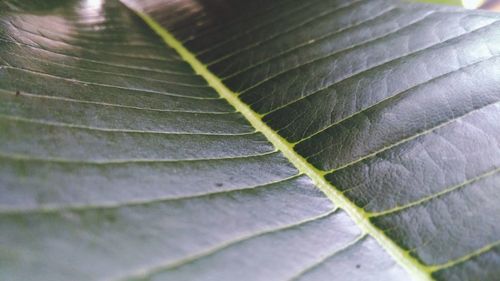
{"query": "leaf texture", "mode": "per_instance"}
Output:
(395, 104)
(119, 162)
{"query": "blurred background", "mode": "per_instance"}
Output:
(493, 5)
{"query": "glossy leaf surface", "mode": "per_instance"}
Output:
(397, 104)
(119, 162)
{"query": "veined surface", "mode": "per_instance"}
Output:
(396, 104)
(119, 162)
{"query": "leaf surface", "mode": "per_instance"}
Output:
(396, 104)
(119, 162)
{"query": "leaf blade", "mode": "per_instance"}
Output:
(118, 162)
(444, 156)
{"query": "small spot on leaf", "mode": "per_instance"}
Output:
(219, 184)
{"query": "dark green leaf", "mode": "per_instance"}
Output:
(118, 161)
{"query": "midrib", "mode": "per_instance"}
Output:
(413, 266)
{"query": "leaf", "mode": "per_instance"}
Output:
(396, 104)
(118, 162)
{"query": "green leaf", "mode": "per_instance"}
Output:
(266, 140)
(118, 162)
